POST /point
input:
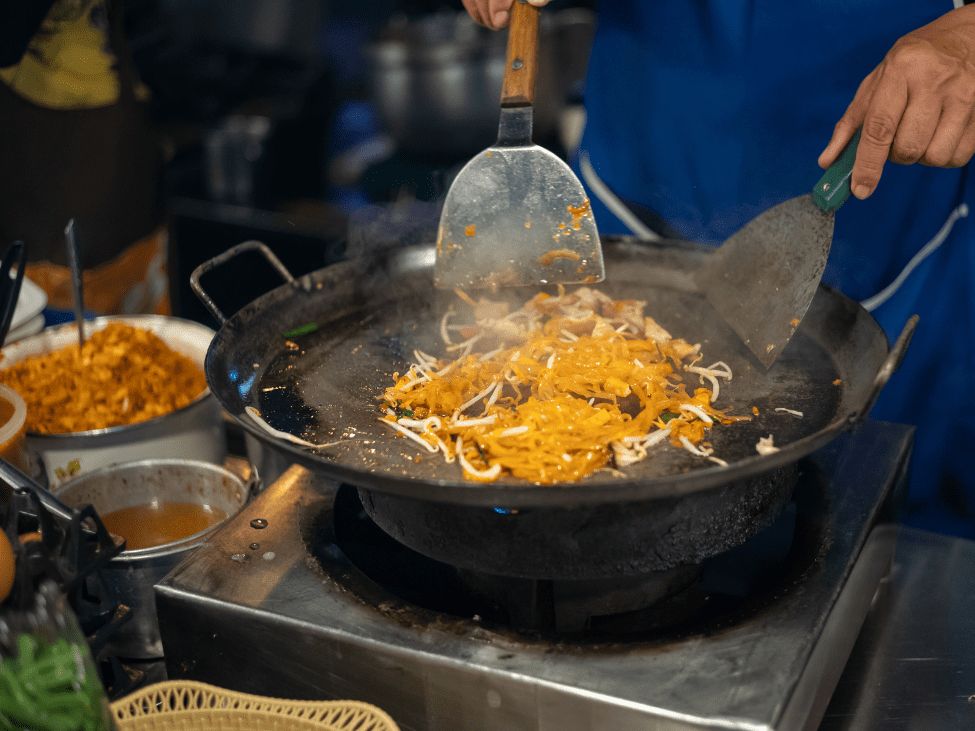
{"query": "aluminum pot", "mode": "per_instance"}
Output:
(132, 575)
(436, 82)
(194, 432)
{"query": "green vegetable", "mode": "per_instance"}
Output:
(51, 688)
(303, 330)
(408, 413)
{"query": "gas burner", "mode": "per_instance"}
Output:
(580, 608)
(303, 587)
(610, 540)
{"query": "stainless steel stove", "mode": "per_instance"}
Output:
(289, 601)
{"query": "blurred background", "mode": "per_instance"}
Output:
(328, 128)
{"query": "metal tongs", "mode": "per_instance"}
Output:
(10, 286)
(12, 476)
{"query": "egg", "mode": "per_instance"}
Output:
(6, 566)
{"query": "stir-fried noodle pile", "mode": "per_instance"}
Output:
(122, 375)
(576, 383)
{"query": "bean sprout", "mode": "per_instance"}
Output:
(689, 446)
(407, 433)
(489, 474)
(259, 420)
(697, 411)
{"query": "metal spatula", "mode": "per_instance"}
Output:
(763, 278)
(516, 214)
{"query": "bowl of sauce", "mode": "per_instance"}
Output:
(159, 522)
(164, 509)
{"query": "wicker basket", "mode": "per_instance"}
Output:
(183, 705)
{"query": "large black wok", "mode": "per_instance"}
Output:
(326, 386)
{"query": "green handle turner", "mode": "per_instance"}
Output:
(833, 188)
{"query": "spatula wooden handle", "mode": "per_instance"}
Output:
(518, 89)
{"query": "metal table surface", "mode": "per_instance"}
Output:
(913, 664)
(255, 612)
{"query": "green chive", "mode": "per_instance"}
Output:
(303, 330)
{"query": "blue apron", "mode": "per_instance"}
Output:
(709, 112)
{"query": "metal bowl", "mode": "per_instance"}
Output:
(132, 574)
(194, 432)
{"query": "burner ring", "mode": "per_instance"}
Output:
(590, 542)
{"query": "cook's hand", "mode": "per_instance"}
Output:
(918, 105)
(494, 14)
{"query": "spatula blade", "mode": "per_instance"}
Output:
(786, 249)
(517, 216)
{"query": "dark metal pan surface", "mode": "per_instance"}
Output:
(326, 386)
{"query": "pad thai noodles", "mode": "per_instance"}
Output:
(551, 392)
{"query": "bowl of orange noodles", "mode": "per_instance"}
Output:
(136, 390)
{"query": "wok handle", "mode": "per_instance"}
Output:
(223, 259)
(890, 365)
(518, 88)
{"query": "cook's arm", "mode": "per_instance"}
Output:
(494, 14)
(918, 105)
